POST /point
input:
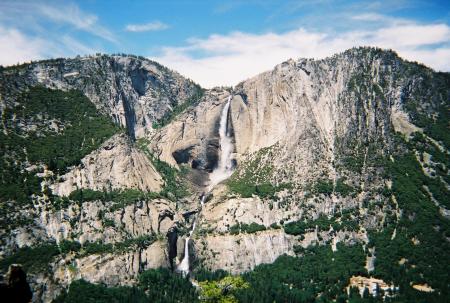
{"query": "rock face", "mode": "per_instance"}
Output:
(117, 164)
(131, 240)
(242, 253)
(310, 138)
(133, 91)
(193, 138)
(304, 110)
(304, 122)
(107, 223)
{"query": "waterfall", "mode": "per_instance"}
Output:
(224, 168)
(183, 267)
(202, 200)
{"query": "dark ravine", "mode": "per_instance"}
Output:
(172, 237)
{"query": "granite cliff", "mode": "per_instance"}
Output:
(320, 152)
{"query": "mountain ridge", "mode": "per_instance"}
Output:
(321, 148)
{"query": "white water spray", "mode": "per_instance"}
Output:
(183, 267)
(225, 166)
(202, 200)
(223, 171)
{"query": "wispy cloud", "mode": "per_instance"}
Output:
(36, 15)
(31, 30)
(76, 47)
(227, 59)
(147, 27)
(72, 15)
(16, 47)
(370, 17)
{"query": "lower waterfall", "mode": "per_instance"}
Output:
(183, 267)
(223, 171)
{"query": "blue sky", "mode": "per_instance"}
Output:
(223, 42)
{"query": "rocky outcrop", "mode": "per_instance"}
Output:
(133, 91)
(111, 269)
(117, 164)
(109, 223)
(115, 227)
(193, 138)
(243, 252)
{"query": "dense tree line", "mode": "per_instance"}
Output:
(26, 139)
(155, 285)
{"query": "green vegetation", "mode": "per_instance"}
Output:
(318, 275)
(354, 156)
(354, 162)
(193, 100)
(26, 138)
(36, 259)
(323, 224)
(433, 89)
(66, 246)
(421, 236)
(200, 274)
(343, 189)
(326, 187)
(253, 178)
(33, 259)
(440, 162)
(173, 184)
(155, 285)
(161, 285)
(412, 248)
(222, 291)
(121, 198)
(81, 291)
(247, 190)
(90, 248)
(323, 187)
(246, 228)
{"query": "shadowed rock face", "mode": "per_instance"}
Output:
(182, 156)
(15, 288)
(172, 238)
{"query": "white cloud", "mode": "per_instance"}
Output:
(412, 35)
(37, 30)
(72, 15)
(76, 47)
(35, 16)
(147, 27)
(369, 17)
(17, 48)
(228, 59)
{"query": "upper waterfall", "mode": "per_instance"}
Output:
(224, 168)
